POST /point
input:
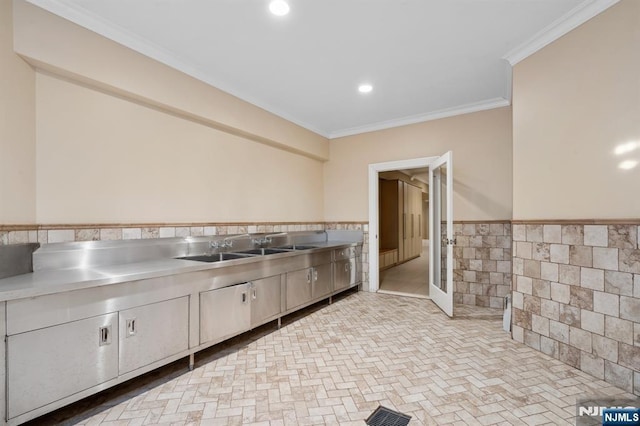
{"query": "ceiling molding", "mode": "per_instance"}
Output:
(111, 31)
(83, 17)
(420, 118)
(572, 19)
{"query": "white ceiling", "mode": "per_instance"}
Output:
(425, 58)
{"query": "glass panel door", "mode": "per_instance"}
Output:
(441, 232)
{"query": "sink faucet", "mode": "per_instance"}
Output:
(227, 242)
(267, 239)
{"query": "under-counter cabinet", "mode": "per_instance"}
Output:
(266, 299)
(346, 271)
(308, 284)
(224, 313)
(46, 365)
(231, 310)
(153, 332)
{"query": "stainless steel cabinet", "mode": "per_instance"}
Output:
(52, 363)
(153, 332)
(299, 287)
(308, 284)
(347, 271)
(266, 299)
(322, 285)
(232, 310)
(344, 274)
(224, 313)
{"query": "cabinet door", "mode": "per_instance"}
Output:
(402, 219)
(265, 299)
(417, 211)
(347, 273)
(224, 313)
(408, 240)
(49, 364)
(299, 287)
(153, 332)
(342, 274)
(321, 281)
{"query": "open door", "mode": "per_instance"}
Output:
(441, 232)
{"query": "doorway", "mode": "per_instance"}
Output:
(403, 256)
(440, 210)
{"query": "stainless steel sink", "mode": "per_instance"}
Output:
(294, 247)
(264, 251)
(216, 257)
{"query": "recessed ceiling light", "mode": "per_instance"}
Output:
(365, 88)
(628, 164)
(279, 7)
(626, 147)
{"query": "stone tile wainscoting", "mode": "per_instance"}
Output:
(576, 296)
(14, 234)
(482, 263)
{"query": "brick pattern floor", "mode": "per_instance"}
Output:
(335, 365)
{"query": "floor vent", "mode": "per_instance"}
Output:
(383, 416)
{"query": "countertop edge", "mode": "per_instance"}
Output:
(32, 284)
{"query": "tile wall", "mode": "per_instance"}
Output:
(482, 263)
(576, 287)
(67, 233)
(576, 296)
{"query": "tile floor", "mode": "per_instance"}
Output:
(335, 365)
(410, 278)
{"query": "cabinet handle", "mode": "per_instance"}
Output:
(346, 267)
(131, 327)
(252, 287)
(412, 223)
(315, 274)
(104, 335)
(244, 297)
(308, 276)
(404, 226)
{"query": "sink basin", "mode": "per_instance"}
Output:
(215, 257)
(263, 251)
(294, 247)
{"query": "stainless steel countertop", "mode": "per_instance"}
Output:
(40, 283)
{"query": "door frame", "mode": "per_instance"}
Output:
(374, 170)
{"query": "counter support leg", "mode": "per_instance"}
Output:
(191, 362)
(279, 322)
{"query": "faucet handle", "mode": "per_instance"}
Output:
(219, 244)
(260, 241)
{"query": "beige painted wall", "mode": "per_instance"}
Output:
(103, 159)
(482, 156)
(61, 47)
(574, 102)
(17, 129)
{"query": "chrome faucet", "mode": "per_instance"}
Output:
(267, 239)
(227, 242)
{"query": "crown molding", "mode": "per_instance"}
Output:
(84, 18)
(572, 19)
(420, 118)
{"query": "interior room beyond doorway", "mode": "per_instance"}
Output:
(404, 232)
